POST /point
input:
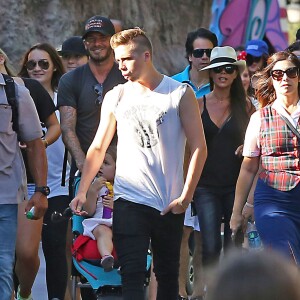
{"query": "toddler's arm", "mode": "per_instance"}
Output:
(92, 195)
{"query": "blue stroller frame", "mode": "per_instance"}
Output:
(95, 275)
(101, 282)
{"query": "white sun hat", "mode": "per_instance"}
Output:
(221, 56)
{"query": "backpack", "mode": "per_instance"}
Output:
(10, 92)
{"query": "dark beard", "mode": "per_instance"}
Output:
(99, 60)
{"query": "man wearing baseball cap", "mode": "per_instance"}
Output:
(257, 54)
(81, 91)
(73, 53)
(99, 24)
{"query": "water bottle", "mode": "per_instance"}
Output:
(30, 214)
(254, 241)
(107, 211)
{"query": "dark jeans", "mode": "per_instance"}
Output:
(133, 227)
(214, 204)
(54, 248)
(277, 218)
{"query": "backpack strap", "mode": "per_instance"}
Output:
(10, 91)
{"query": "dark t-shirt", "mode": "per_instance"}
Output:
(76, 89)
(44, 106)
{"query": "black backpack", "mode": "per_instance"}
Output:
(12, 101)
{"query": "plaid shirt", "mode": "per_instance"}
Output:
(279, 151)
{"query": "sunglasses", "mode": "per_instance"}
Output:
(250, 60)
(198, 53)
(290, 72)
(98, 89)
(42, 63)
(229, 69)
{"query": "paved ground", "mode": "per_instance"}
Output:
(39, 290)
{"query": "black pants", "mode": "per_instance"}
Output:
(54, 248)
(134, 225)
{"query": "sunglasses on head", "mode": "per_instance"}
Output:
(42, 63)
(200, 52)
(290, 72)
(229, 69)
(98, 89)
(252, 59)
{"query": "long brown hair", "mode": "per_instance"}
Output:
(265, 92)
(239, 105)
(56, 60)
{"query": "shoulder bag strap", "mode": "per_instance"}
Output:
(290, 125)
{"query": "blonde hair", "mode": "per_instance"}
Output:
(132, 36)
(7, 64)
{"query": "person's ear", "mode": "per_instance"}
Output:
(147, 56)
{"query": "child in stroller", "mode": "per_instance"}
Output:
(99, 207)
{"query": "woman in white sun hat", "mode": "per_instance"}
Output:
(225, 114)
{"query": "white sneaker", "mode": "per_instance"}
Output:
(19, 297)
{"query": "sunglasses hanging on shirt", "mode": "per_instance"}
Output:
(98, 89)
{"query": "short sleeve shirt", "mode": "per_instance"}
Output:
(44, 106)
(12, 171)
(76, 89)
(252, 146)
(184, 77)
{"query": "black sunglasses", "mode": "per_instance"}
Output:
(42, 63)
(200, 52)
(250, 59)
(290, 72)
(98, 89)
(229, 69)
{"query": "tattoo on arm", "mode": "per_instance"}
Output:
(68, 118)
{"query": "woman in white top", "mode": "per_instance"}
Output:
(272, 140)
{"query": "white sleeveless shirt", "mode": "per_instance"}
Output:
(151, 142)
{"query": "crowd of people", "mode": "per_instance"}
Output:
(196, 155)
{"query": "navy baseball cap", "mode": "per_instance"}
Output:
(257, 48)
(73, 45)
(99, 24)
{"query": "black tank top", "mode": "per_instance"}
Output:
(222, 166)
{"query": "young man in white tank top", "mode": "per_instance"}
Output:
(154, 116)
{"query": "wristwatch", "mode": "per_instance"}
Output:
(42, 189)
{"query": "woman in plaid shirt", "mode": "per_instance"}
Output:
(272, 142)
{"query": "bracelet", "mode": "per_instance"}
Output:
(249, 204)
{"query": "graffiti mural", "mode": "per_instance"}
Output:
(237, 21)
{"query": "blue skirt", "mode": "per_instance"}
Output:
(277, 217)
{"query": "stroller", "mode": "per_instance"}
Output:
(86, 269)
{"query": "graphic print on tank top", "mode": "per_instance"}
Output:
(145, 120)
